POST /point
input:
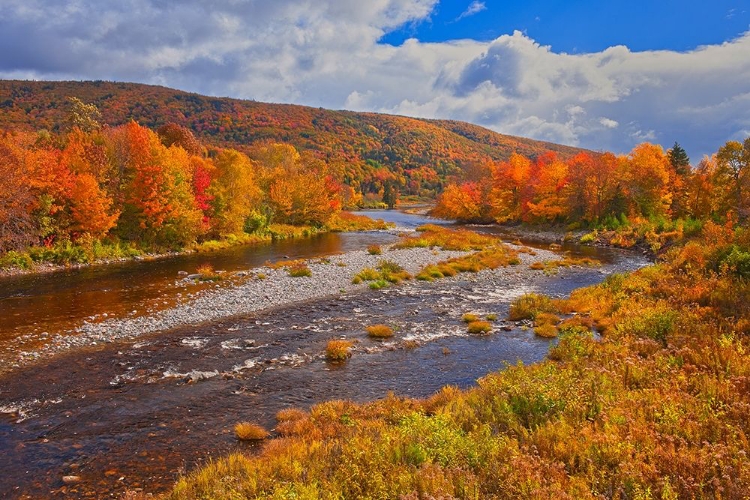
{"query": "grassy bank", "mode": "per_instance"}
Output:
(87, 251)
(659, 407)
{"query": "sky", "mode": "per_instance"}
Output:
(604, 75)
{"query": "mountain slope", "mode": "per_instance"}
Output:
(408, 147)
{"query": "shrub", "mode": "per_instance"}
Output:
(537, 266)
(374, 250)
(492, 317)
(248, 431)
(338, 350)
(379, 331)
(15, 259)
(546, 330)
(656, 322)
(529, 305)
(546, 319)
(588, 238)
(299, 271)
(479, 327)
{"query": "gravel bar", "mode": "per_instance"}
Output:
(330, 276)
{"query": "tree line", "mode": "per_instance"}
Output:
(157, 189)
(604, 190)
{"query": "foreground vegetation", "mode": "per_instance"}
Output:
(659, 407)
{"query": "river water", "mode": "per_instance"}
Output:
(134, 415)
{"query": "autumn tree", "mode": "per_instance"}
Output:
(733, 175)
(91, 208)
(298, 190)
(173, 134)
(701, 196)
(233, 191)
(550, 189)
(16, 199)
(159, 205)
(646, 172)
(512, 188)
(83, 116)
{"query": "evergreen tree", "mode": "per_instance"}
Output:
(679, 159)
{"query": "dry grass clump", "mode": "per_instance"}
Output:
(285, 263)
(479, 327)
(493, 257)
(206, 272)
(299, 271)
(338, 350)
(379, 331)
(432, 235)
(469, 317)
(290, 414)
(529, 305)
(387, 272)
(537, 266)
(374, 250)
(248, 431)
(349, 222)
(491, 317)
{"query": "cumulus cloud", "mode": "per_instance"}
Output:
(327, 53)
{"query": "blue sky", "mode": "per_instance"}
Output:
(596, 74)
(585, 26)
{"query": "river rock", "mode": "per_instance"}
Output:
(71, 479)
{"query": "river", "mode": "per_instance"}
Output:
(135, 414)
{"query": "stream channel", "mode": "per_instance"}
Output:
(135, 414)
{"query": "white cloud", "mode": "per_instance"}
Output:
(474, 8)
(326, 53)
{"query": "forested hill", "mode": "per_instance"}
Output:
(413, 149)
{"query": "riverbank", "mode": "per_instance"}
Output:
(39, 260)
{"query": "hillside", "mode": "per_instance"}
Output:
(421, 153)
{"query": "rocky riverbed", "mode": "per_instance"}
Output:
(256, 290)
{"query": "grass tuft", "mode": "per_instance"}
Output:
(379, 331)
(248, 431)
(299, 271)
(338, 350)
(469, 317)
(479, 327)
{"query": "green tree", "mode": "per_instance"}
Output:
(679, 159)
